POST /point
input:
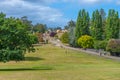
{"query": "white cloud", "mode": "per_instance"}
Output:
(19, 8)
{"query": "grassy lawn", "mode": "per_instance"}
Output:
(53, 63)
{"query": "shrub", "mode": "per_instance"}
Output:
(65, 37)
(52, 34)
(100, 44)
(40, 37)
(85, 41)
(34, 39)
(113, 47)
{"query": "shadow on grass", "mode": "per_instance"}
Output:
(33, 59)
(28, 69)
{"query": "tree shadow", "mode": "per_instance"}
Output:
(27, 69)
(33, 58)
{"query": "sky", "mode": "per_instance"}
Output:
(54, 12)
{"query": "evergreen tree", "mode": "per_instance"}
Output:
(96, 26)
(112, 25)
(71, 31)
(103, 15)
(82, 25)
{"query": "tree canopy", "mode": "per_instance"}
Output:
(14, 39)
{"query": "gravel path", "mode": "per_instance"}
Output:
(89, 51)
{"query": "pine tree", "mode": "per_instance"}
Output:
(112, 25)
(96, 26)
(103, 15)
(82, 25)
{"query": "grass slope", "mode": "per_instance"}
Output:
(53, 63)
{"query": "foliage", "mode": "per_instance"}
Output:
(112, 25)
(82, 24)
(96, 26)
(41, 28)
(39, 36)
(57, 28)
(52, 34)
(14, 38)
(100, 44)
(65, 38)
(27, 23)
(85, 41)
(71, 31)
(6, 55)
(34, 39)
(114, 47)
(103, 14)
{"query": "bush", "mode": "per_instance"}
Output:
(113, 47)
(85, 41)
(40, 37)
(100, 44)
(65, 38)
(52, 34)
(34, 39)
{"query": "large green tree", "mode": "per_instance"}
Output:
(112, 25)
(96, 26)
(82, 24)
(14, 39)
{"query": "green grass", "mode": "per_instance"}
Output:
(53, 63)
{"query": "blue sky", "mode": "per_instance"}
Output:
(54, 12)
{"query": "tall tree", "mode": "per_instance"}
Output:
(82, 24)
(112, 25)
(71, 31)
(103, 15)
(96, 26)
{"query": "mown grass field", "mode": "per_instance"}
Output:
(53, 63)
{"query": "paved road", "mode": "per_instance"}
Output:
(58, 43)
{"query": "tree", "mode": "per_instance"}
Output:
(27, 23)
(2, 18)
(82, 25)
(112, 25)
(14, 39)
(65, 37)
(96, 26)
(66, 27)
(41, 28)
(57, 28)
(103, 16)
(71, 31)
